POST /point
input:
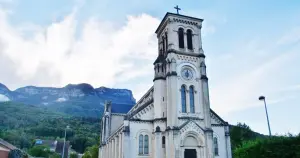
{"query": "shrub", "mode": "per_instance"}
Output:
(273, 147)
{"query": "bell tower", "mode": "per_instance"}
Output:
(180, 81)
(180, 74)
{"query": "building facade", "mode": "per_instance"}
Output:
(173, 119)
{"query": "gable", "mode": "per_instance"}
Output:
(216, 119)
(191, 126)
(146, 113)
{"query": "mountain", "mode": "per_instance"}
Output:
(74, 99)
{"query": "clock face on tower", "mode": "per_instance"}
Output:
(187, 73)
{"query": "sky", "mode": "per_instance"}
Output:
(252, 48)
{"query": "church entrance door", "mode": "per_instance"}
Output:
(190, 153)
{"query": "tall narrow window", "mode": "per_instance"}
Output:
(189, 37)
(164, 43)
(216, 148)
(166, 35)
(146, 145)
(181, 37)
(192, 102)
(183, 99)
(163, 142)
(141, 141)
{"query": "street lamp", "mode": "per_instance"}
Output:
(63, 154)
(262, 98)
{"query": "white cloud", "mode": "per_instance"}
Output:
(99, 53)
(60, 100)
(3, 98)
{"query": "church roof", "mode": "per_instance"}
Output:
(120, 108)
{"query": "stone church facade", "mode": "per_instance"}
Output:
(173, 119)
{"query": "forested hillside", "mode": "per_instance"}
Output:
(20, 124)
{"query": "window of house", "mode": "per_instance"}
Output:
(189, 37)
(183, 98)
(143, 144)
(192, 101)
(146, 144)
(163, 142)
(216, 148)
(166, 35)
(164, 43)
(181, 37)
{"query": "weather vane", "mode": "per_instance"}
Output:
(177, 9)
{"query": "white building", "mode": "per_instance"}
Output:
(173, 119)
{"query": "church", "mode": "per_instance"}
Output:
(173, 119)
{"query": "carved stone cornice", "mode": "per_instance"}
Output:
(186, 53)
(159, 78)
(190, 118)
(142, 103)
(173, 73)
(217, 118)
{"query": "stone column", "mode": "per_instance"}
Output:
(106, 125)
(109, 149)
(170, 148)
(228, 143)
(206, 103)
(113, 148)
(126, 139)
(100, 152)
(120, 146)
(158, 143)
(116, 147)
(126, 145)
(176, 138)
(209, 143)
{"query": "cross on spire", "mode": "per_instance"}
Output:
(177, 9)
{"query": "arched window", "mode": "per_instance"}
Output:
(216, 148)
(181, 37)
(141, 142)
(163, 142)
(192, 102)
(183, 98)
(189, 38)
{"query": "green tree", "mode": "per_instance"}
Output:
(73, 155)
(39, 151)
(91, 152)
(240, 133)
(54, 155)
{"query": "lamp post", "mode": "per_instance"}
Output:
(63, 154)
(262, 98)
